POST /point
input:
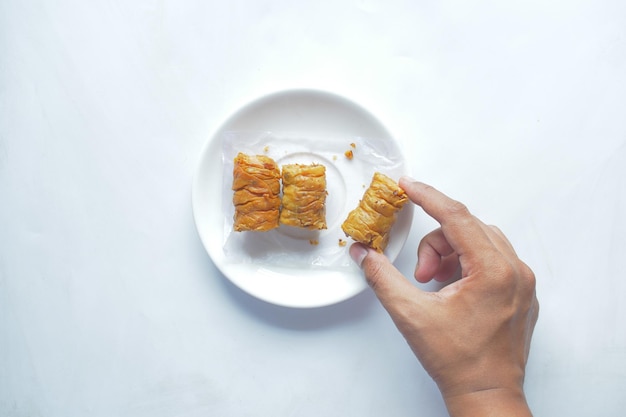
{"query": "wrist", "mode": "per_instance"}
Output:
(495, 402)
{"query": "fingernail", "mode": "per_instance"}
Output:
(358, 252)
(406, 178)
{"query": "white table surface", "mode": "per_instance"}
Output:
(109, 304)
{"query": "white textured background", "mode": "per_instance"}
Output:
(109, 305)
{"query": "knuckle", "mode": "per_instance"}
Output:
(528, 276)
(501, 271)
(496, 229)
(456, 209)
(505, 270)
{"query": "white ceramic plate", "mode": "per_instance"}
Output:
(325, 119)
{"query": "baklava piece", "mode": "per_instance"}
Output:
(256, 186)
(304, 196)
(372, 220)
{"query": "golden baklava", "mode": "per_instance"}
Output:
(376, 213)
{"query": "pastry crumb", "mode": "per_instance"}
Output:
(334, 157)
(349, 154)
(342, 242)
(353, 145)
(314, 242)
(266, 149)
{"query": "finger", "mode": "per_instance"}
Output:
(462, 230)
(431, 250)
(449, 267)
(393, 290)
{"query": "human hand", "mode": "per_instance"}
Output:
(473, 336)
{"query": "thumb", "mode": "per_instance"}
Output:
(390, 286)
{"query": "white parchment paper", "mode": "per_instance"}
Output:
(346, 180)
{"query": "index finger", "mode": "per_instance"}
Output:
(462, 230)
